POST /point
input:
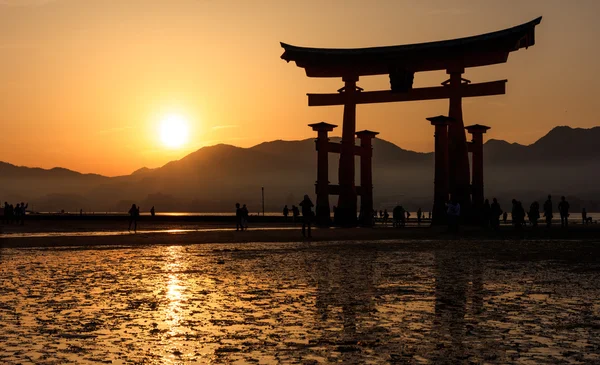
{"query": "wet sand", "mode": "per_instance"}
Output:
(385, 302)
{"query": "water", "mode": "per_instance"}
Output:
(300, 303)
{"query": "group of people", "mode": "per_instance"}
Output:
(295, 212)
(491, 213)
(241, 217)
(307, 214)
(15, 214)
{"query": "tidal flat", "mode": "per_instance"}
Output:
(380, 302)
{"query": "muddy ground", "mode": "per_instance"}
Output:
(379, 302)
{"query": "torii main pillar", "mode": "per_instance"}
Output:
(346, 208)
(458, 153)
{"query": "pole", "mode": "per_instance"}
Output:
(263, 200)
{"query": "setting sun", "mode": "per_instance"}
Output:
(174, 131)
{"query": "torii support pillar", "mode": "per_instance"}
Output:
(322, 185)
(441, 188)
(366, 176)
(476, 149)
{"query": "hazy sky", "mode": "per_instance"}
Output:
(84, 83)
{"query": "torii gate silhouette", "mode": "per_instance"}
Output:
(452, 175)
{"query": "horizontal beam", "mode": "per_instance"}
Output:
(424, 93)
(333, 147)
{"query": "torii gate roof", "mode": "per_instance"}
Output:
(480, 50)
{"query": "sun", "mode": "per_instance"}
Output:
(174, 131)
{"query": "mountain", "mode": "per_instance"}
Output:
(565, 161)
(562, 144)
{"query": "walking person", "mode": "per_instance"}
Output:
(419, 215)
(563, 209)
(307, 215)
(134, 212)
(548, 211)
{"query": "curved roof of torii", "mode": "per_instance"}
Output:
(479, 50)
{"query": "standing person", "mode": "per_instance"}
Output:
(518, 214)
(534, 213)
(563, 209)
(238, 217)
(505, 217)
(307, 215)
(396, 214)
(245, 214)
(6, 212)
(583, 216)
(23, 211)
(495, 213)
(386, 215)
(296, 212)
(286, 212)
(133, 215)
(548, 211)
(419, 214)
(152, 211)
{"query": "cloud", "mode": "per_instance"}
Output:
(217, 127)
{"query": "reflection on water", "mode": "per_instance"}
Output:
(348, 303)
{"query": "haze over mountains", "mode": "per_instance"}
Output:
(566, 161)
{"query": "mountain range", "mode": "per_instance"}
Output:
(565, 161)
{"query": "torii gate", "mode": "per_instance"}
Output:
(400, 63)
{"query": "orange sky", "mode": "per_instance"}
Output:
(84, 83)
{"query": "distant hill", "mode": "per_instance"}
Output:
(565, 161)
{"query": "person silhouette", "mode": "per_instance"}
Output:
(134, 212)
(238, 217)
(583, 216)
(286, 212)
(23, 212)
(534, 213)
(548, 211)
(563, 209)
(518, 214)
(419, 215)
(386, 215)
(152, 211)
(307, 215)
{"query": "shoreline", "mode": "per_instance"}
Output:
(114, 233)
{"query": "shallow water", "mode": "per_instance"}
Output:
(299, 303)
